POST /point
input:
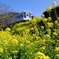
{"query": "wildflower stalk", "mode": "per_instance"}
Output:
(54, 4)
(48, 9)
(49, 14)
(55, 12)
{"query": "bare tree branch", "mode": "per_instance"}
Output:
(4, 14)
(4, 8)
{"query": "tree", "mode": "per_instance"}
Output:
(4, 8)
(52, 13)
(4, 14)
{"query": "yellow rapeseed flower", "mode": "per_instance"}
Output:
(47, 57)
(54, 3)
(14, 51)
(27, 30)
(27, 41)
(47, 36)
(28, 46)
(48, 30)
(58, 18)
(55, 30)
(32, 28)
(43, 15)
(49, 18)
(35, 26)
(57, 55)
(36, 42)
(10, 58)
(49, 24)
(48, 8)
(1, 50)
(42, 27)
(52, 41)
(56, 22)
(56, 48)
(33, 35)
(32, 44)
(5, 42)
(44, 19)
(15, 42)
(42, 41)
(57, 40)
(42, 48)
(54, 33)
(38, 37)
(21, 44)
(40, 55)
(7, 29)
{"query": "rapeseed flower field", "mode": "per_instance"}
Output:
(31, 39)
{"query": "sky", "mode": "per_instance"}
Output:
(37, 7)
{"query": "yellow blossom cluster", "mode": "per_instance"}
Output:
(42, 48)
(43, 15)
(49, 18)
(7, 29)
(44, 19)
(54, 3)
(1, 50)
(56, 22)
(54, 33)
(42, 27)
(57, 55)
(40, 55)
(49, 24)
(10, 58)
(15, 42)
(48, 8)
(47, 36)
(42, 41)
(56, 48)
(14, 51)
